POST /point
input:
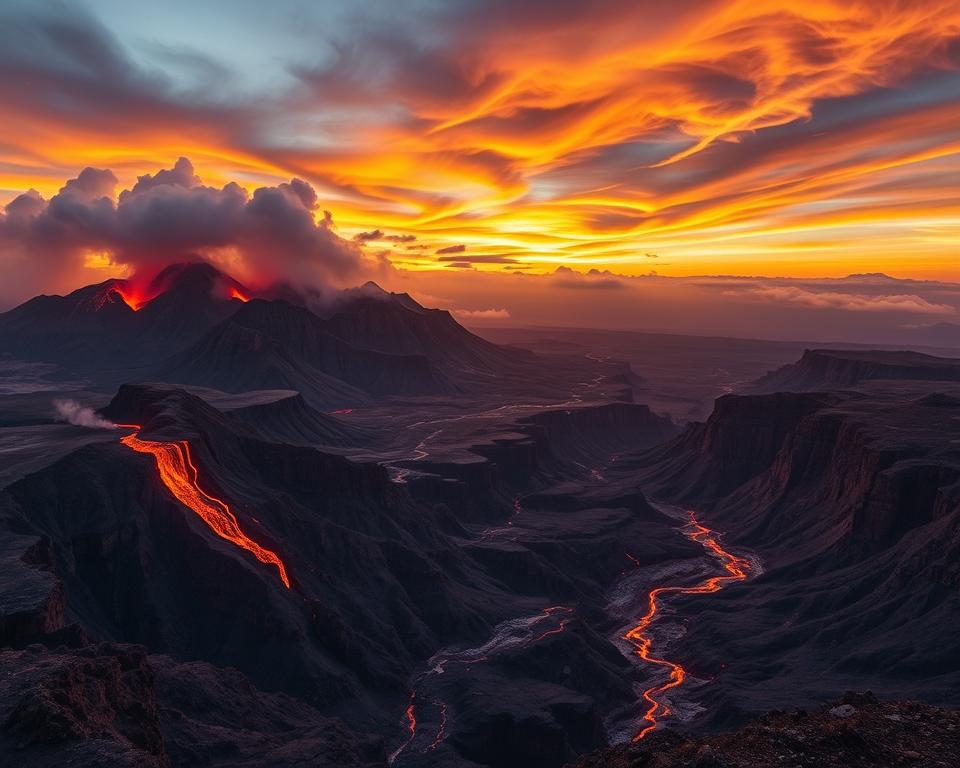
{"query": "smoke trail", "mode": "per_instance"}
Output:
(72, 412)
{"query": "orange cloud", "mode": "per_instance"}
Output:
(736, 136)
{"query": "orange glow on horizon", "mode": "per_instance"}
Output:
(179, 474)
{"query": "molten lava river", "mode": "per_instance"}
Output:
(735, 569)
(179, 474)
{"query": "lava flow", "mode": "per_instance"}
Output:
(179, 474)
(737, 568)
(411, 715)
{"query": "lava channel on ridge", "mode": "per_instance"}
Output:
(179, 474)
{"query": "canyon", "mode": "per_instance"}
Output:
(356, 533)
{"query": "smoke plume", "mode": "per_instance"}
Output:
(276, 235)
(72, 412)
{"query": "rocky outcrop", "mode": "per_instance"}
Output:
(823, 369)
(113, 704)
(31, 596)
(738, 441)
(857, 730)
(293, 421)
(101, 699)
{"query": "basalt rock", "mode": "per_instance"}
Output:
(869, 733)
(822, 369)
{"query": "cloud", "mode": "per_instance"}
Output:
(848, 302)
(366, 237)
(276, 234)
(400, 238)
(600, 280)
(726, 133)
(479, 259)
(452, 249)
(482, 314)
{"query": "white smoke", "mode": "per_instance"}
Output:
(73, 413)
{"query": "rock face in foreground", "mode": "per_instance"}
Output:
(111, 704)
(857, 730)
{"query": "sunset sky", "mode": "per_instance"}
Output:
(693, 137)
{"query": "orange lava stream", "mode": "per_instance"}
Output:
(737, 569)
(411, 715)
(236, 293)
(179, 474)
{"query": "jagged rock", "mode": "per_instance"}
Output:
(101, 694)
(31, 596)
(824, 369)
(865, 739)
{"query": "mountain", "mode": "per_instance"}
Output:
(96, 328)
(372, 318)
(195, 325)
(276, 345)
(822, 369)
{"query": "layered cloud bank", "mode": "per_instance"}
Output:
(815, 138)
(864, 308)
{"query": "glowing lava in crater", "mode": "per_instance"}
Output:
(134, 296)
(737, 569)
(179, 474)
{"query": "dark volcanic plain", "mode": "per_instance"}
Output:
(468, 530)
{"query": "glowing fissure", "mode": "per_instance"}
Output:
(736, 568)
(179, 474)
(411, 725)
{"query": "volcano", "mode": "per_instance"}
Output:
(195, 325)
(121, 323)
